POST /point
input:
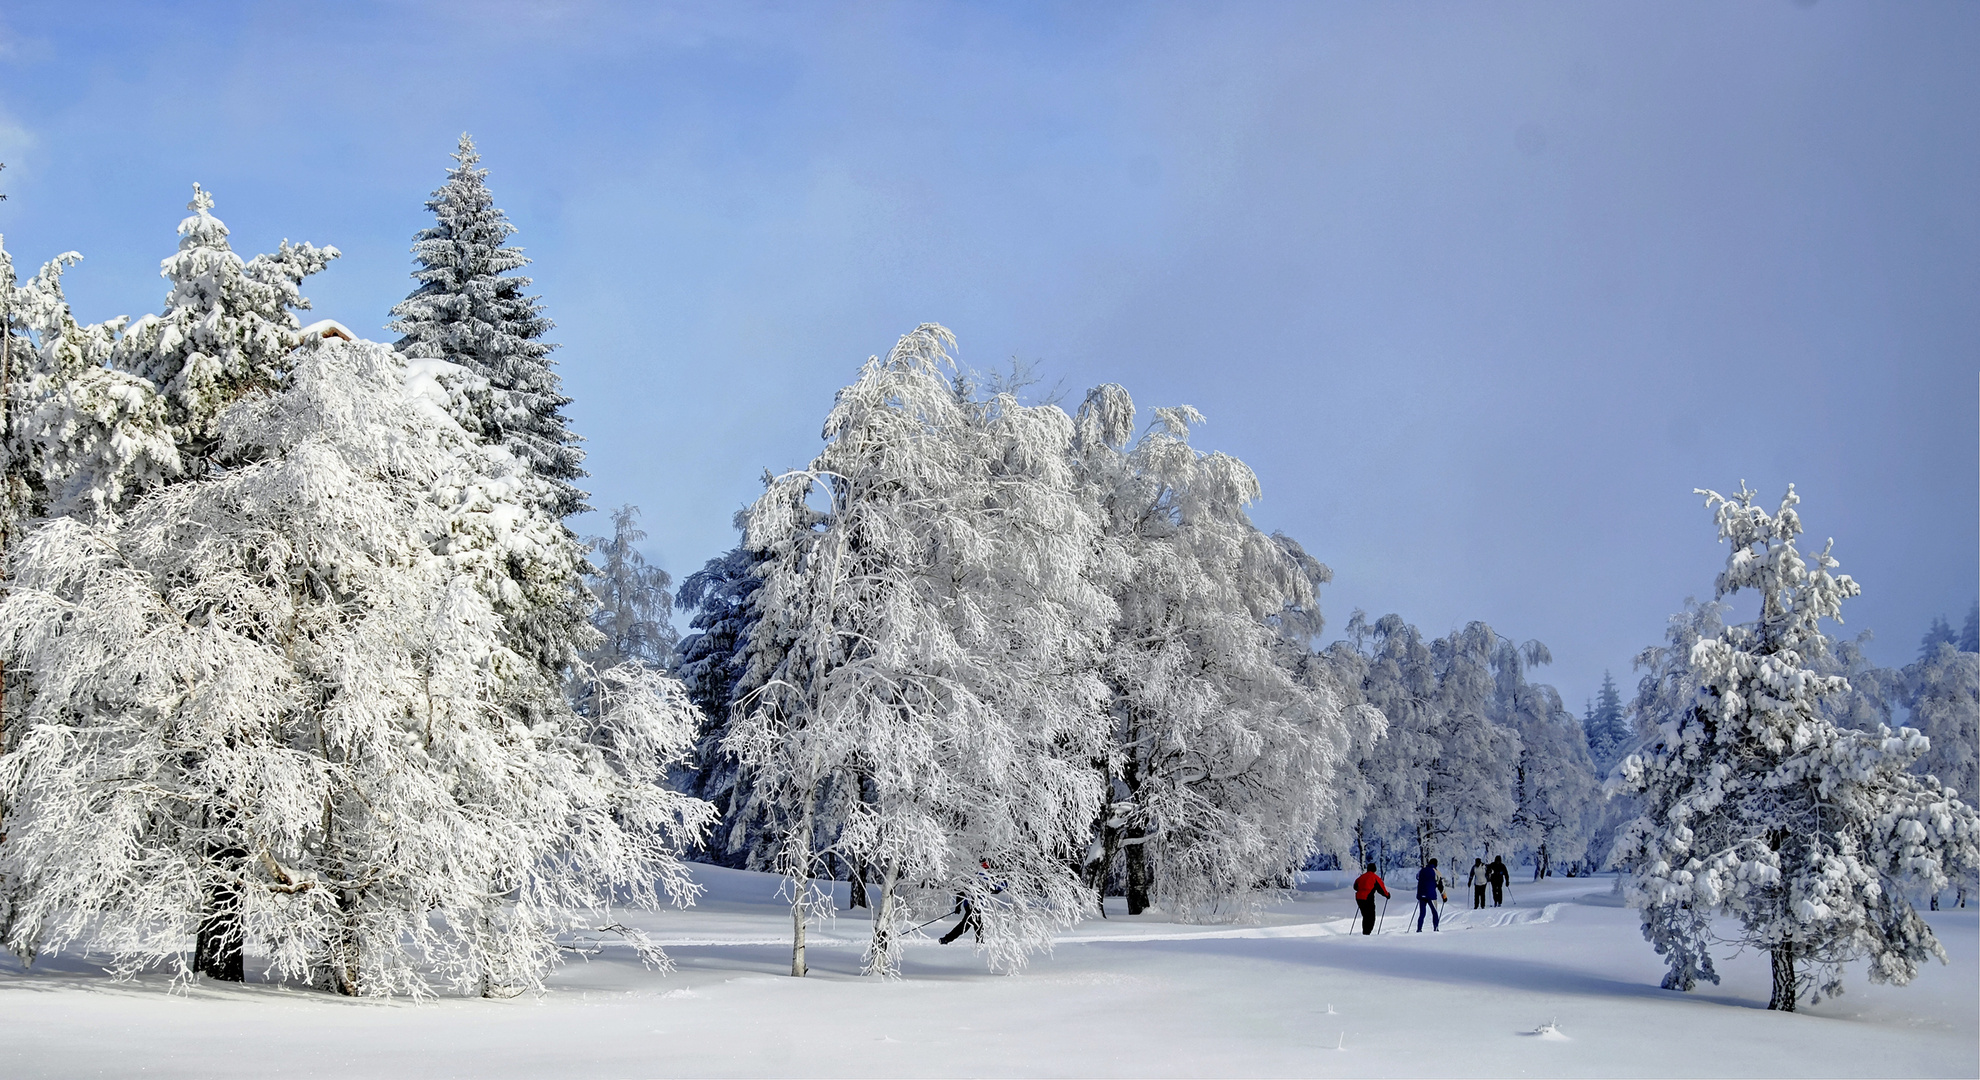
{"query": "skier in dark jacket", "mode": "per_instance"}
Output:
(971, 919)
(1365, 888)
(1479, 872)
(1499, 876)
(1429, 889)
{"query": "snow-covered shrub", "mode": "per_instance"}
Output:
(1756, 806)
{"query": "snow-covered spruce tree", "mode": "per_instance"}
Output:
(1607, 728)
(713, 660)
(635, 611)
(1554, 790)
(273, 705)
(923, 658)
(1222, 763)
(471, 309)
(1756, 806)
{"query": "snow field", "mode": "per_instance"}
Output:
(1297, 994)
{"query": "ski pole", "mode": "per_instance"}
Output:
(934, 920)
(1383, 922)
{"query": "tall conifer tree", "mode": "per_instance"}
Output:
(471, 309)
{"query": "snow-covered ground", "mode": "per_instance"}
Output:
(1295, 994)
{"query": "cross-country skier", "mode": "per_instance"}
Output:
(1429, 889)
(1479, 872)
(1365, 888)
(971, 920)
(1500, 877)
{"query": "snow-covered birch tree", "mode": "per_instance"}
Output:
(1555, 791)
(1468, 795)
(1398, 678)
(272, 706)
(1222, 759)
(634, 611)
(1756, 806)
(924, 699)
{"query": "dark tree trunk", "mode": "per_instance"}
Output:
(1139, 877)
(217, 950)
(1784, 989)
(856, 886)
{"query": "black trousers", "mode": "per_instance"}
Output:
(1478, 896)
(1498, 894)
(1367, 905)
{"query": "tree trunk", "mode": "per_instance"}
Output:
(880, 953)
(797, 860)
(1139, 877)
(856, 885)
(1095, 873)
(797, 930)
(1784, 989)
(344, 954)
(218, 947)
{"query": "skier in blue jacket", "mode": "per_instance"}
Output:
(1429, 889)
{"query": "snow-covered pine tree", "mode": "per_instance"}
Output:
(923, 658)
(1222, 761)
(635, 611)
(1756, 806)
(1969, 634)
(471, 309)
(1554, 788)
(273, 704)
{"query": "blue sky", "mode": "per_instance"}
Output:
(1481, 291)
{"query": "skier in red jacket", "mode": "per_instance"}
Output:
(1365, 888)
